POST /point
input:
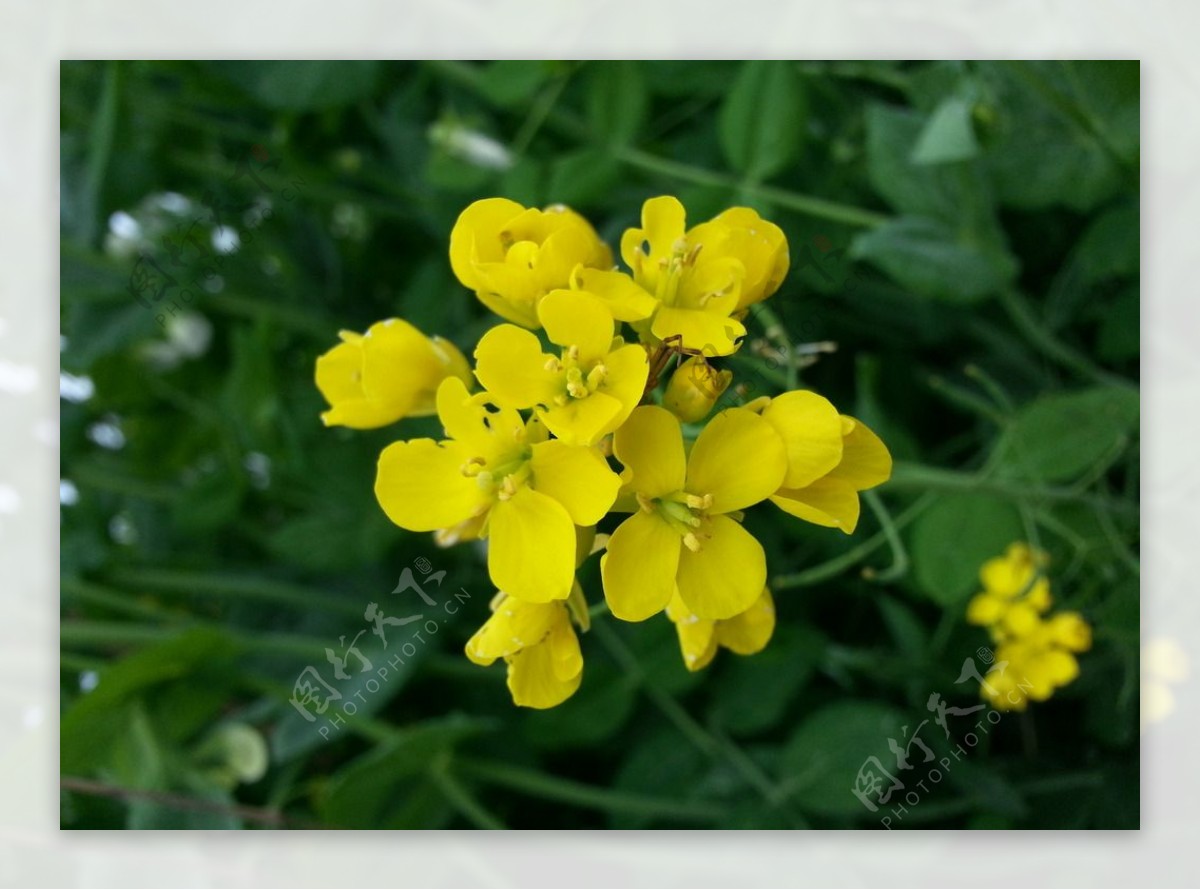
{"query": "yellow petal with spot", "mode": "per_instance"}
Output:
(826, 502)
(510, 364)
(650, 446)
(697, 637)
(640, 566)
(577, 318)
(749, 632)
(866, 461)
(739, 459)
(534, 674)
(726, 575)
(577, 477)
(531, 547)
(420, 485)
(811, 429)
(514, 626)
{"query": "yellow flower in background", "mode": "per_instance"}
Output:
(527, 491)
(694, 388)
(746, 633)
(512, 256)
(545, 664)
(1015, 591)
(583, 394)
(391, 371)
(1032, 665)
(682, 536)
(831, 458)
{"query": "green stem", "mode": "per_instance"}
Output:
(852, 557)
(547, 787)
(899, 564)
(773, 329)
(704, 741)
(910, 475)
(232, 587)
(806, 205)
(966, 400)
(1040, 338)
(460, 797)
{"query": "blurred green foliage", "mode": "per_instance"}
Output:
(967, 233)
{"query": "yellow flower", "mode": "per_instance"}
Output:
(1015, 591)
(545, 665)
(528, 491)
(701, 277)
(831, 458)
(745, 633)
(581, 396)
(682, 536)
(1031, 666)
(391, 371)
(512, 256)
(694, 388)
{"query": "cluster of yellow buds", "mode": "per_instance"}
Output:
(527, 461)
(1035, 651)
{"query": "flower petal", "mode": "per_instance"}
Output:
(628, 369)
(421, 487)
(811, 429)
(582, 421)
(475, 237)
(866, 461)
(577, 477)
(726, 575)
(535, 674)
(515, 625)
(650, 447)
(697, 637)
(750, 631)
(531, 547)
(577, 318)
(639, 568)
(739, 459)
(704, 332)
(625, 299)
(827, 502)
(510, 364)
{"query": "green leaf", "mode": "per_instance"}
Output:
(617, 101)
(929, 258)
(304, 85)
(1061, 130)
(948, 135)
(583, 177)
(510, 82)
(752, 693)
(761, 123)
(824, 755)
(369, 791)
(1059, 437)
(954, 537)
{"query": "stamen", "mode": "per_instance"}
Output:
(472, 466)
(691, 542)
(596, 376)
(699, 503)
(645, 503)
(553, 365)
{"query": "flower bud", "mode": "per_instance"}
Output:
(694, 389)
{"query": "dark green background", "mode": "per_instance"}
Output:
(966, 232)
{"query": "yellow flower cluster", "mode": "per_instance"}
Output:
(527, 461)
(1035, 652)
